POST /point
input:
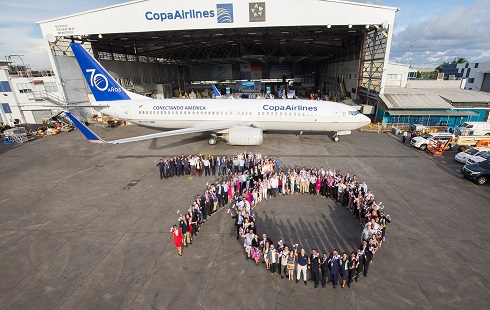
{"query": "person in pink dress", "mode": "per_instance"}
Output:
(230, 191)
(318, 185)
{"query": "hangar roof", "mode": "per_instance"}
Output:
(430, 98)
(414, 101)
(431, 113)
(189, 31)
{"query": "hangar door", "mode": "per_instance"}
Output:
(485, 86)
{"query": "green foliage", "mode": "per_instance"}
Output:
(459, 60)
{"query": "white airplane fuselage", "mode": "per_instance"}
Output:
(267, 114)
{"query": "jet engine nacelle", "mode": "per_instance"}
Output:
(243, 136)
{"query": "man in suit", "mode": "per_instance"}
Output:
(168, 170)
(315, 266)
(212, 164)
(219, 193)
(184, 225)
(324, 268)
(179, 166)
(334, 267)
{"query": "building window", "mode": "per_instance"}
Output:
(5, 87)
(50, 87)
(24, 88)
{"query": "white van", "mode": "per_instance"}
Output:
(471, 153)
(422, 141)
(478, 158)
(475, 129)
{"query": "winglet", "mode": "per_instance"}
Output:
(217, 94)
(89, 134)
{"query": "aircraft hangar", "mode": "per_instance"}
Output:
(327, 48)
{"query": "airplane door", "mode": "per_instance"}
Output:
(238, 114)
(125, 110)
(336, 113)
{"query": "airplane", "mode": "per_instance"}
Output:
(238, 122)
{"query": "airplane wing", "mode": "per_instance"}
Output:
(92, 137)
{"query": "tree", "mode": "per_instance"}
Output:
(456, 60)
(459, 60)
(439, 67)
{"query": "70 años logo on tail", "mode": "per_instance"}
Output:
(100, 82)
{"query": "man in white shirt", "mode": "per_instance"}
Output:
(274, 182)
(205, 163)
(192, 162)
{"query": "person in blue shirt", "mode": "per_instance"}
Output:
(161, 166)
(302, 266)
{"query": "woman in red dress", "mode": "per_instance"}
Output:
(177, 233)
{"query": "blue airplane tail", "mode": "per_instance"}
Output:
(101, 83)
(217, 94)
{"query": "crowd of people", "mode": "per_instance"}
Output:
(248, 178)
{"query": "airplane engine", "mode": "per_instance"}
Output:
(243, 136)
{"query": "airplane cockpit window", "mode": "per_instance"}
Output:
(353, 113)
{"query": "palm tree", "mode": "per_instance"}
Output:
(459, 60)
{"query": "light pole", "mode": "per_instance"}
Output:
(410, 55)
(9, 57)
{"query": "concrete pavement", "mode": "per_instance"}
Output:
(74, 235)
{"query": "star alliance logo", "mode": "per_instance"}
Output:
(225, 13)
(256, 11)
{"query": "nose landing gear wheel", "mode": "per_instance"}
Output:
(336, 139)
(212, 141)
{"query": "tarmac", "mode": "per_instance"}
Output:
(86, 226)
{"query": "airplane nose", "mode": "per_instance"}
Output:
(364, 120)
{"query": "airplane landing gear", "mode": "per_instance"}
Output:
(213, 139)
(340, 133)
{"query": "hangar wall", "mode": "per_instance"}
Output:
(346, 72)
(133, 18)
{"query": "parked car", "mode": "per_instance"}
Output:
(422, 141)
(463, 157)
(478, 159)
(478, 172)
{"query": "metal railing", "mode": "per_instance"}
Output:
(47, 96)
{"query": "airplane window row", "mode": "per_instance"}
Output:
(236, 113)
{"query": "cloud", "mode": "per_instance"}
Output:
(21, 35)
(22, 42)
(460, 32)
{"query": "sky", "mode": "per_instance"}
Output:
(426, 32)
